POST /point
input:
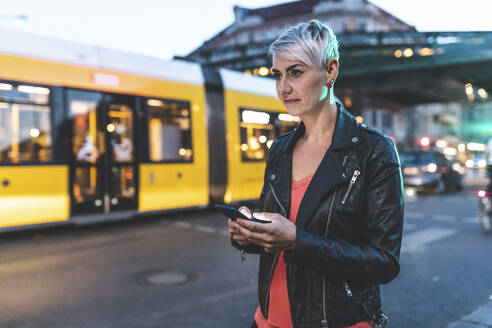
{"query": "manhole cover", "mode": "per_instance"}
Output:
(166, 278)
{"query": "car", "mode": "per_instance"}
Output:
(430, 171)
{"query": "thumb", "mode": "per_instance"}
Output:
(273, 217)
(246, 211)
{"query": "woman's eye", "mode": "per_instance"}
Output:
(296, 73)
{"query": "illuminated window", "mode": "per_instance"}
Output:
(259, 128)
(25, 125)
(169, 123)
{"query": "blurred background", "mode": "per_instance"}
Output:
(138, 116)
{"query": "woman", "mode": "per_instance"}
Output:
(333, 193)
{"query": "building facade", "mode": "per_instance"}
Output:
(244, 44)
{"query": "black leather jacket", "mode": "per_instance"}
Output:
(349, 226)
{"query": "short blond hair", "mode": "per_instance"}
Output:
(311, 42)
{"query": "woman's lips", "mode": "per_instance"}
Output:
(291, 101)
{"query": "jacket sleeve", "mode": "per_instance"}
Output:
(377, 259)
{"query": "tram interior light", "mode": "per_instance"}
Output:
(359, 119)
(250, 116)
(5, 86)
(253, 143)
(288, 118)
(35, 90)
(34, 133)
(262, 139)
(263, 71)
(408, 52)
(426, 52)
(155, 103)
(398, 53)
(110, 127)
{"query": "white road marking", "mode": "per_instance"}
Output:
(182, 224)
(413, 215)
(417, 241)
(205, 228)
(482, 317)
(470, 219)
(443, 217)
(202, 228)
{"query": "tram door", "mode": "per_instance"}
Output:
(103, 170)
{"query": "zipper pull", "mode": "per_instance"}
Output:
(352, 182)
(347, 289)
(324, 323)
(243, 256)
(354, 177)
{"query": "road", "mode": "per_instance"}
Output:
(97, 276)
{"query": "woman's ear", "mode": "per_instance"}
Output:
(332, 69)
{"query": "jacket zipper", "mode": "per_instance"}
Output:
(352, 182)
(324, 322)
(347, 289)
(276, 254)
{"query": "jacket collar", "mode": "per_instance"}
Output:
(346, 132)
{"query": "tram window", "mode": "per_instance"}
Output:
(257, 134)
(258, 129)
(286, 122)
(169, 123)
(25, 125)
(87, 143)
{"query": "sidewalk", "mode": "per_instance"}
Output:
(481, 318)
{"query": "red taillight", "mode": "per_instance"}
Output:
(481, 193)
(128, 175)
(431, 167)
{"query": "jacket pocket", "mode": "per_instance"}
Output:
(349, 195)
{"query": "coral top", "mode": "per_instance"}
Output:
(279, 307)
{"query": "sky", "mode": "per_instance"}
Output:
(164, 28)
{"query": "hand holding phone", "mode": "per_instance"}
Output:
(233, 213)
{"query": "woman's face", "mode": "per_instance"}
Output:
(301, 88)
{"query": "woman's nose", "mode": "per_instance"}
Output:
(284, 87)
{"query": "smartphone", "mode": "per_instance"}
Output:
(233, 213)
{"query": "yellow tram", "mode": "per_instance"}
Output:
(90, 134)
